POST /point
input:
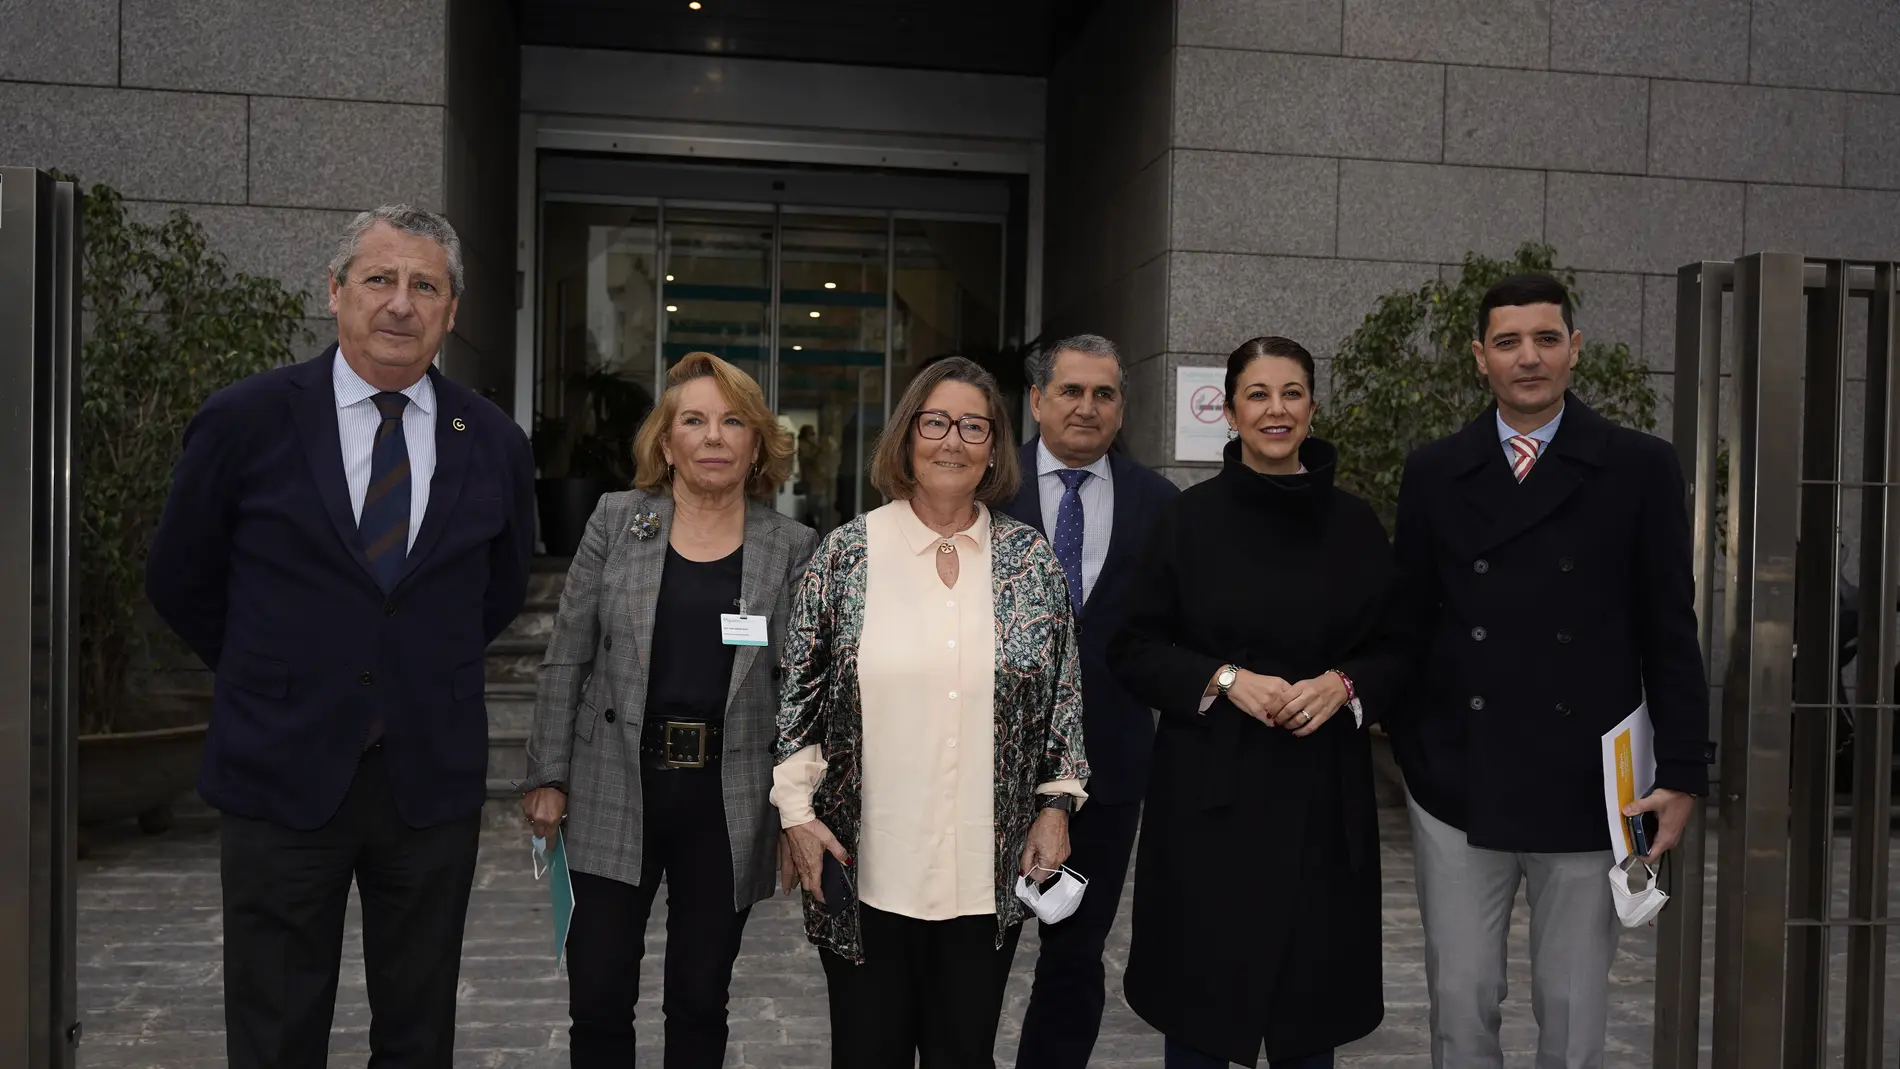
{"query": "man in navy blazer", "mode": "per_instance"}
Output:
(1095, 506)
(344, 537)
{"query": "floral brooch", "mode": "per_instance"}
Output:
(645, 526)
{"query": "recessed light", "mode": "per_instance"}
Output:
(814, 315)
(796, 348)
(669, 278)
(672, 307)
(831, 285)
(694, 5)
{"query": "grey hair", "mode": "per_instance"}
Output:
(1040, 367)
(408, 220)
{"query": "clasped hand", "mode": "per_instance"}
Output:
(1301, 707)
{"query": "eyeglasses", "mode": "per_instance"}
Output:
(935, 425)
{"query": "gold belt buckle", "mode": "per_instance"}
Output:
(699, 733)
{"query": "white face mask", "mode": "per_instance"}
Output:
(540, 857)
(1638, 898)
(1057, 903)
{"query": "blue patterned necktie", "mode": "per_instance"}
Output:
(1069, 533)
(383, 528)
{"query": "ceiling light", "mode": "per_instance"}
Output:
(672, 307)
(814, 315)
(669, 278)
(694, 5)
(796, 348)
(831, 285)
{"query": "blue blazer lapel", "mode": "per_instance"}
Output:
(313, 407)
(454, 438)
(1122, 542)
(1028, 503)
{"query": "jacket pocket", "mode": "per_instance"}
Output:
(466, 682)
(259, 675)
(584, 716)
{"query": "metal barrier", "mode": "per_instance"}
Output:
(1784, 717)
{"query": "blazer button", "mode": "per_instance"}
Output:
(366, 679)
(1565, 564)
(1478, 633)
(608, 716)
(1477, 702)
(1481, 566)
(389, 608)
(1564, 635)
(608, 642)
(1563, 709)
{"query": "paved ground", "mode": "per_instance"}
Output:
(151, 983)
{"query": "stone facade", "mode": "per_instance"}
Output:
(272, 123)
(1276, 165)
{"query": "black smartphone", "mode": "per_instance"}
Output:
(1641, 832)
(834, 879)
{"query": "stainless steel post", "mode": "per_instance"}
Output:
(38, 335)
(1750, 966)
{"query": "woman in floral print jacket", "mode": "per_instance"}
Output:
(930, 733)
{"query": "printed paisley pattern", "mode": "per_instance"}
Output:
(1038, 699)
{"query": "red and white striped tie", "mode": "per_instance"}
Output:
(1523, 455)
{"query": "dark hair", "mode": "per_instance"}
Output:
(890, 463)
(1270, 345)
(1520, 290)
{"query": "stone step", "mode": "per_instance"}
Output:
(510, 721)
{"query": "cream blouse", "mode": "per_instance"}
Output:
(927, 687)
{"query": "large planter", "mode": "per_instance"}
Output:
(137, 774)
(565, 505)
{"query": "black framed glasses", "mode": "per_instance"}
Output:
(935, 425)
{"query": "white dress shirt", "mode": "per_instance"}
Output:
(356, 423)
(1543, 435)
(1098, 508)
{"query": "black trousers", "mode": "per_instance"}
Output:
(285, 893)
(1065, 1004)
(684, 843)
(929, 993)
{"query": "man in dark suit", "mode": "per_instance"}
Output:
(1545, 552)
(1095, 507)
(344, 537)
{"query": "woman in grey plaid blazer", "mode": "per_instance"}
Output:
(657, 712)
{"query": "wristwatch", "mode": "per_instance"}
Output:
(1226, 677)
(1064, 802)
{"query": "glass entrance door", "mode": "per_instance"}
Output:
(831, 310)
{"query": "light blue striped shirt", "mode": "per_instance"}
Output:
(356, 423)
(1098, 509)
(1543, 435)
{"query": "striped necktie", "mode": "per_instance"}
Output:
(1523, 455)
(383, 529)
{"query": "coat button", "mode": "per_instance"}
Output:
(1563, 709)
(1478, 633)
(389, 608)
(608, 716)
(608, 642)
(1565, 564)
(1477, 702)
(366, 679)
(1481, 566)
(1564, 635)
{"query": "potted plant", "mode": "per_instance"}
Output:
(166, 323)
(587, 453)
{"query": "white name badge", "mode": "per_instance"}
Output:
(739, 630)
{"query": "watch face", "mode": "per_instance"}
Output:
(1227, 677)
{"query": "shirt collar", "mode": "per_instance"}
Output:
(1543, 434)
(922, 539)
(352, 390)
(1047, 464)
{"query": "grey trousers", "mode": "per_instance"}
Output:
(1464, 898)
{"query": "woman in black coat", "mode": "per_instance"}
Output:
(1260, 629)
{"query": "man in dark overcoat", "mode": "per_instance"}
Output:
(1095, 506)
(1546, 559)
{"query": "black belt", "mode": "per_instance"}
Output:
(682, 743)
